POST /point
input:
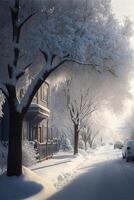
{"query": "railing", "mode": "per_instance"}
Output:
(46, 150)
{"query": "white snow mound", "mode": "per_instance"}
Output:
(28, 186)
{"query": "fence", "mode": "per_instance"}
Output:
(47, 149)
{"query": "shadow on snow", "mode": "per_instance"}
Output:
(109, 180)
(18, 188)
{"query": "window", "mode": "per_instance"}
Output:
(40, 134)
(44, 93)
(35, 133)
(45, 133)
(35, 99)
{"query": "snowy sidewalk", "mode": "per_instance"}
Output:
(28, 186)
(61, 169)
(51, 177)
(65, 167)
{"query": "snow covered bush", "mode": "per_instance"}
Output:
(81, 144)
(28, 153)
(3, 157)
(66, 145)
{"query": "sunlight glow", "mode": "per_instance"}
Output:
(124, 8)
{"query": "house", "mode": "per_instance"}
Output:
(35, 123)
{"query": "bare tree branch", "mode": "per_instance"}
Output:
(93, 138)
(113, 73)
(26, 20)
(81, 108)
(53, 57)
(77, 61)
(21, 72)
(16, 37)
(16, 27)
(45, 55)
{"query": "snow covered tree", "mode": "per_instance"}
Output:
(84, 32)
(77, 101)
(81, 108)
(88, 135)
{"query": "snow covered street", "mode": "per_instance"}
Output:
(103, 177)
(99, 174)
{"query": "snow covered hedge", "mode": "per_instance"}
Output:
(81, 144)
(66, 145)
(28, 155)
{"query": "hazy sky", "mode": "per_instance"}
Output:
(124, 8)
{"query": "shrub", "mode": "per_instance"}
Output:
(81, 144)
(28, 154)
(66, 145)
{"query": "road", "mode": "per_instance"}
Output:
(107, 178)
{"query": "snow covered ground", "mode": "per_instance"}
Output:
(62, 168)
(105, 176)
(28, 186)
(43, 180)
(97, 175)
(65, 167)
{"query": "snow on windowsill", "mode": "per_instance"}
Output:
(40, 106)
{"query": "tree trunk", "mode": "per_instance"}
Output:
(76, 138)
(85, 145)
(90, 144)
(14, 162)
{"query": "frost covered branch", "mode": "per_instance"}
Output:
(82, 108)
(17, 27)
(21, 72)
